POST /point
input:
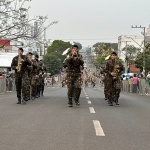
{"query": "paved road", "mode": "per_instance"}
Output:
(49, 124)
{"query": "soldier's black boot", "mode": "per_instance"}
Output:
(77, 101)
(106, 97)
(19, 101)
(116, 101)
(23, 101)
(70, 102)
(41, 93)
(110, 102)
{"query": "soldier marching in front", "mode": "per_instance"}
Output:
(19, 64)
(113, 71)
(73, 78)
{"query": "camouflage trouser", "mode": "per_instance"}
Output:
(38, 85)
(112, 88)
(25, 87)
(74, 84)
(18, 82)
(33, 86)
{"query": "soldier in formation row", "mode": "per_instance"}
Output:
(29, 76)
(112, 80)
(74, 65)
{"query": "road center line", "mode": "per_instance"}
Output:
(92, 111)
(98, 128)
(87, 97)
(89, 102)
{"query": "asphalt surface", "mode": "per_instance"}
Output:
(49, 124)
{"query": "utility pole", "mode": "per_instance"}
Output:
(143, 46)
(126, 59)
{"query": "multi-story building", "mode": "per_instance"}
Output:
(125, 40)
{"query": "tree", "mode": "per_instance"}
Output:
(101, 48)
(130, 53)
(101, 59)
(15, 22)
(107, 45)
(139, 60)
(53, 63)
(54, 58)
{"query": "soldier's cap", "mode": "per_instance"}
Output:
(36, 56)
(75, 46)
(114, 53)
(30, 53)
(21, 49)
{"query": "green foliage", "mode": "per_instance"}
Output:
(107, 45)
(54, 58)
(58, 47)
(101, 59)
(131, 52)
(104, 48)
(139, 61)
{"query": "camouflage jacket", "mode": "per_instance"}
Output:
(109, 67)
(24, 68)
(73, 65)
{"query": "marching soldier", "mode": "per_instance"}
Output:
(19, 64)
(39, 68)
(113, 71)
(73, 78)
(93, 80)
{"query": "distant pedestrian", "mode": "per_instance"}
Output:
(130, 84)
(134, 82)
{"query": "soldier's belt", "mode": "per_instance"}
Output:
(73, 74)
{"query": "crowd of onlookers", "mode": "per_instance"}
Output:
(136, 84)
(9, 81)
(10, 85)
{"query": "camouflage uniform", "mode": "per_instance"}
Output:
(38, 77)
(32, 70)
(73, 78)
(93, 80)
(104, 79)
(21, 78)
(113, 86)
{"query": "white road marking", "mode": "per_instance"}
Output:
(89, 102)
(87, 97)
(98, 128)
(92, 111)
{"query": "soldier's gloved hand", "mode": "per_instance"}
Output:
(112, 73)
(117, 66)
(22, 60)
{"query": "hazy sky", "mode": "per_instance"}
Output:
(92, 21)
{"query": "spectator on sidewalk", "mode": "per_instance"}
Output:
(142, 84)
(135, 83)
(130, 84)
(10, 83)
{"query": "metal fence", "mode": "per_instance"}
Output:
(7, 85)
(2, 85)
(142, 87)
